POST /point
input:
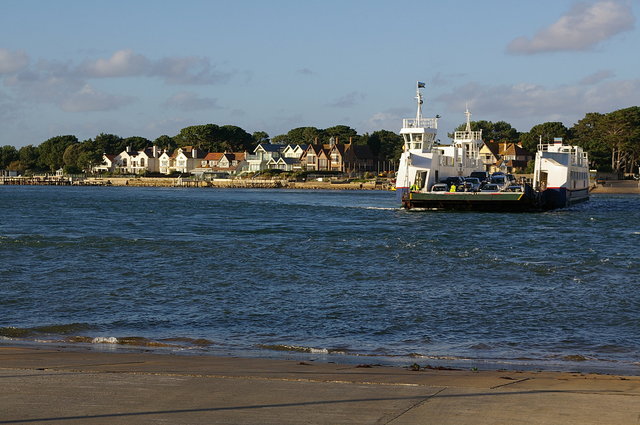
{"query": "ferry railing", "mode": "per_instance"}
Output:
(420, 123)
(468, 135)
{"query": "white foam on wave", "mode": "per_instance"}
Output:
(382, 208)
(104, 340)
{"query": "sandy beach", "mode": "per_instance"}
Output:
(54, 385)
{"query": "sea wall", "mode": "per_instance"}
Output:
(242, 183)
(617, 186)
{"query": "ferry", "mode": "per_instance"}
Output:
(560, 179)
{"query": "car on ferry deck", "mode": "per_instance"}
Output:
(490, 187)
(472, 184)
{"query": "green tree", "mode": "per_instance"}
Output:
(107, 143)
(621, 132)
(8, 154)
(260, 137)
(29, 157)
(87, 159)
(201, 136)
(500, 131)
(234, 139)
(342, 134)
(385, 145)
(165, 142)
(303, 135)
(71, 154)
(52, 151)
(137, 143)
(587, 133)
(546, 131)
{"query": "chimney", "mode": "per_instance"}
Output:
(194, 152)
(155, 151)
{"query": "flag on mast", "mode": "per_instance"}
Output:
(420, 85)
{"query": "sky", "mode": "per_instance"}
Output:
(149, 68)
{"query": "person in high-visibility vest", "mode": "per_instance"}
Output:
(452, 188)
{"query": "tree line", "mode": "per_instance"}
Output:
(612, 140)
(73, 156)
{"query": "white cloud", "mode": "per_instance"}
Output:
(89, 99)
(189, 70)
(123, 63)
(525, 105)
(189, 101)
(390, 119)
(12, 61)
(584, 26)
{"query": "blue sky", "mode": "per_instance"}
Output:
(148, 68)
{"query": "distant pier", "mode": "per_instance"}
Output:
(51, 181)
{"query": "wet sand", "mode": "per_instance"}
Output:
(46, 385)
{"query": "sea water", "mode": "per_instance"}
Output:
(343, 276)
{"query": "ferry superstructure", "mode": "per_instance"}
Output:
(424, 163)
(561, 173)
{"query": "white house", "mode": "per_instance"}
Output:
(267, 155)
(139, 162)
(262, 154)
(294, 151)
(187, 158)
(110, 163)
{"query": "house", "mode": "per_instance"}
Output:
(185, 159)
(514, 158)
(262, 154)
(139, 162)
(221, 163)
(166, 164)
(294, 151)
(284, 163)
(503, 155)
(315, 157)
(490, 154)
(337, 157)
(130, 161)
(109, 164)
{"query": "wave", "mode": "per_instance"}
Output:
(300, 349)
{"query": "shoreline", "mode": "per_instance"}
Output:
(53, 384)
(607, 187)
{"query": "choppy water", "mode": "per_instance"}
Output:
(327, 275)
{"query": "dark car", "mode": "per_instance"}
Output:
(472, 184)
(480, 175)
(457, 180)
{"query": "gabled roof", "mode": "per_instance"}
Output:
(213, 156)
(494, 147)
(515, 149)
(269, 147)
